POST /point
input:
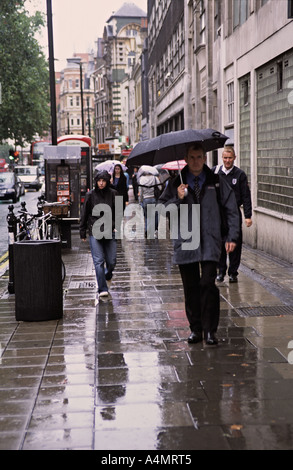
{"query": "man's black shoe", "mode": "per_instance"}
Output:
(233, 278)
(210, 339)
(220, 277)
(195, 337)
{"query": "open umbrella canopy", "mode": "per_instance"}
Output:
(108, 165)
(174, 165)
(172, 146)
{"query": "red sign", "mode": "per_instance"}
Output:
(126, 152)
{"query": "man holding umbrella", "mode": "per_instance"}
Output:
(198, 266)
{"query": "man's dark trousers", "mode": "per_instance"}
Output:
(234, 258)
(202, 297)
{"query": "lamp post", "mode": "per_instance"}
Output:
(88, 116)
(81, 94)
(52, 73)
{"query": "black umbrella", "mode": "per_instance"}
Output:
(172, 146)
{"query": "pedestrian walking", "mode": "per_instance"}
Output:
(148, 183)
(119, 182)
(135, 183)
(102, 240)
(237, 179)
(198, 266)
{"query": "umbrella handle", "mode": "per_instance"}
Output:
(185, 190)
(179, 172)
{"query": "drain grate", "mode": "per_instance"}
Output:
(265, 311)
(82, 285)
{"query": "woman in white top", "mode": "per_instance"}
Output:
(147, 185)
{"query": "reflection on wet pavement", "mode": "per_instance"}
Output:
(119, 374)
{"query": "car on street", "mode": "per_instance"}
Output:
(10, 187)
(30, 176)
(3, 165)
(22, 189)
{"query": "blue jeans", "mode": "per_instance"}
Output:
(150, 225)
(104, 259)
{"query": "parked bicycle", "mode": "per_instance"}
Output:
(38, 227)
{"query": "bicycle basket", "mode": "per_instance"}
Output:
(58, 210)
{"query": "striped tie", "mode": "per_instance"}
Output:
(196, 189)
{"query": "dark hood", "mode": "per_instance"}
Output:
(102, 175)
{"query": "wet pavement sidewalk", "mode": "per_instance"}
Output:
(120, 375)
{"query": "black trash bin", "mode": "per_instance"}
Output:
(38, 280)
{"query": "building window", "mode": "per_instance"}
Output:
(76, 83)
(77, 101)
(131, 32)
(230, 102)
(173, 58)
(290, 8)
(245, 86)
(131, 59)
(240, 12)
(274, 138)
(181, 46)
(202, 21)
(217, 18)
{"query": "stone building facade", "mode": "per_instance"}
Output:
(117, 57)
(167, 69)
(227, 64)
(69, 109)
(252, 70)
